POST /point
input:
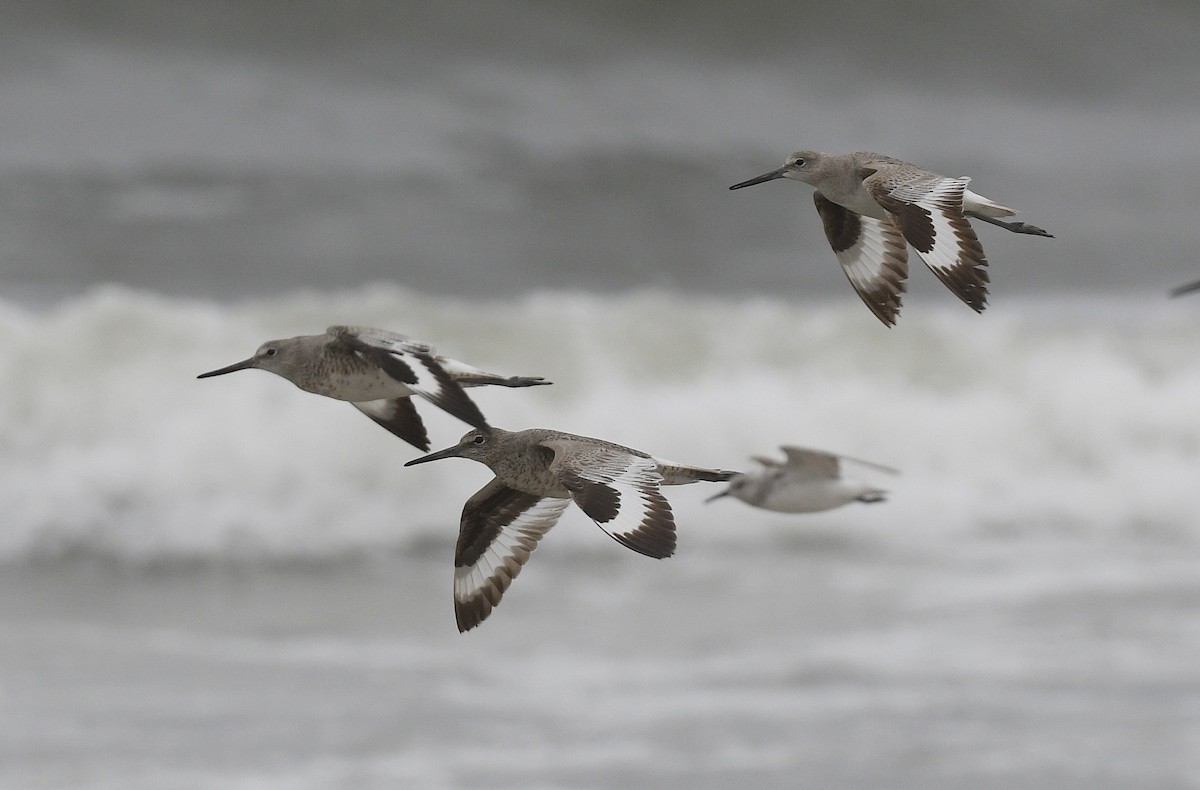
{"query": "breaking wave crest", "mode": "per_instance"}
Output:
(1033, 417)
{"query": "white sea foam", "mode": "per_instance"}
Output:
(1033, 417)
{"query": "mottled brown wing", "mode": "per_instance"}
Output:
(872, 254)
(930, 214)
(413, 363)
(500, 528)
(620, 492)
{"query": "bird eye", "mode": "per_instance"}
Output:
(799, 162)
(478, 438)
(270, 352)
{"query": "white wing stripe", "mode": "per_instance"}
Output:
(946, 254)
(865, 261)
(495, 569)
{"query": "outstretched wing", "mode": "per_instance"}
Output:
(500, 528)
(414, 364)
(929, 210)
(811, 464)
(399, 416)
(819, 463)
(872, 254)
(620, 492)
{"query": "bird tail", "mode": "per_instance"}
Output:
(978, 204)
(675, 474)
(471, 376)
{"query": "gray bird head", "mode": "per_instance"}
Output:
(477, 445)
(741, 487)
(281, 357)
(800, 166)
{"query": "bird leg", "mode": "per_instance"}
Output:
(1015, 227)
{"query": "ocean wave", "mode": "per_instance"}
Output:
(1035, 417)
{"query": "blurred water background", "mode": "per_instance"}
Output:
(231, 583)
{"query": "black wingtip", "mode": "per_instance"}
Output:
(470, 614)
(451, 397)
(654, 543)
(402, 420)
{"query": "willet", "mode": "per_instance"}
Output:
(377, 371)
(871, 204)
(806, 482)
(538, 473)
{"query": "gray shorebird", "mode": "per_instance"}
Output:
(807, 481)
(538, 473)
(871, 204)
(378, 372)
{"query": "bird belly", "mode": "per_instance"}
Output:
(362, 386)
(807, 497)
